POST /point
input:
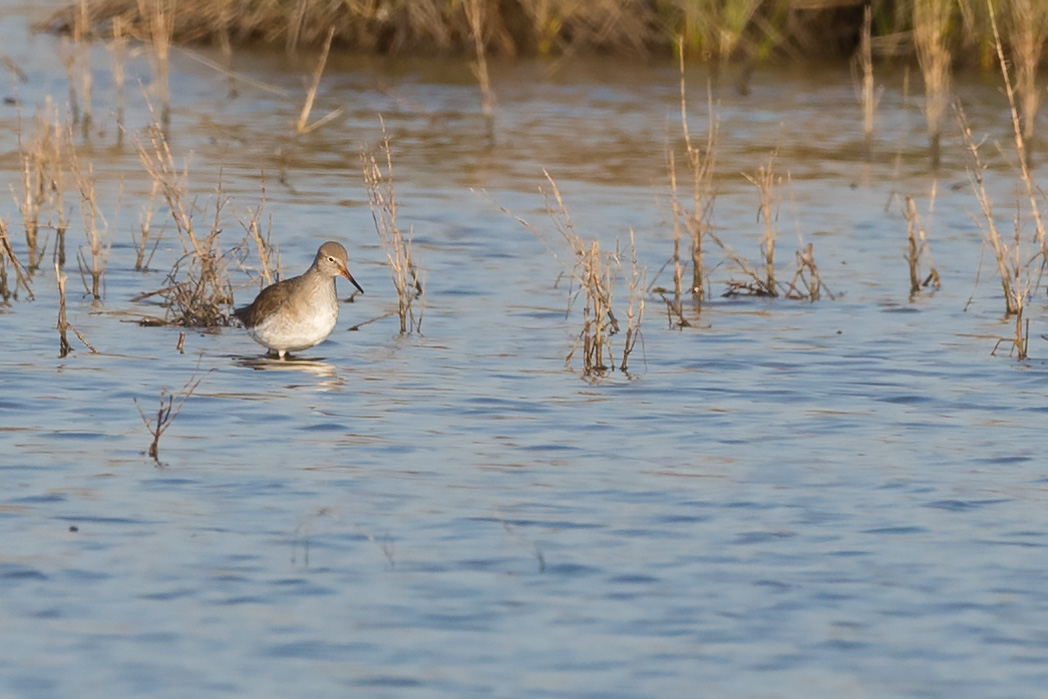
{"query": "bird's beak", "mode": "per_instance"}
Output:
(347, 275)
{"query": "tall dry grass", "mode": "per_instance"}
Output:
(766, 182)
(697, 220)
(199, 291)
(594, 272)
(1026, 31)
(1012, 261)
(63, 325)
(594, 275)
(931, 24)
(1030, 188)
(1015, 264)
(635, 304)
(64, 348)
(93, 263)
(406, 276)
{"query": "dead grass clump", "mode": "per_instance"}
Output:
(763, 281)
(917, 250)
(63, 326)
(806, 283)
(698, 220)
(594, 276)
(198, 292)
(402, 267)
(756, 283)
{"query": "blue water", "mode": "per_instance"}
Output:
(785, 499)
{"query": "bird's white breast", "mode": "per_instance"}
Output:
(299, 327)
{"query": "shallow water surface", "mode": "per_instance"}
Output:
(839, 498)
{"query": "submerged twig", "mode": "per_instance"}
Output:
(171, 405)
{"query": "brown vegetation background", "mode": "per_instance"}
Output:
(708, 30)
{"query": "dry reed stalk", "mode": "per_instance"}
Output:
(675, 308)
(265, 249)
(931, 20)
(145, 224)
(303, 126)
(595, 279)
(402, 267)
(806, 282)
(93, 230)
(917, 238)
(64, 348)
(765, 182)
(595, 274)
(755, 286)
(7, 255)
(63, 324)
(118, 47)
(171, 405)
(864, 57)
(475, 14)
(635, 310)
(81, 41)
(1011, 265)
(699, 221)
